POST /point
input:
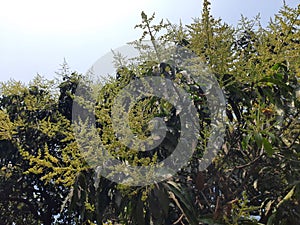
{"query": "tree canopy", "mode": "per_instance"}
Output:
(47, 178)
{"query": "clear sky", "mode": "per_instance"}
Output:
(36, 35)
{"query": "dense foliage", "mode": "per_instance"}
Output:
(45, 177)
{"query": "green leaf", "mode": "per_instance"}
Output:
(258, 139)
(182, 197)
(276, 66)
(245, 141)
(268, 147)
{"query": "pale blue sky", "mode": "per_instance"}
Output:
(37, 35)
